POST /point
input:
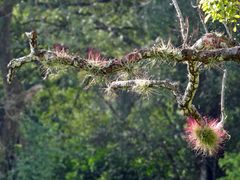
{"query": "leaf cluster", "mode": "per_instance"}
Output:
(225, 11)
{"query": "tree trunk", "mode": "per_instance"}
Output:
(208, 168)
(13, 101)
(203, 170)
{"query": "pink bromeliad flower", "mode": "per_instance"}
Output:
(95, 55)
(205, 139)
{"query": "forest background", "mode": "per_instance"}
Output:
(60, 129)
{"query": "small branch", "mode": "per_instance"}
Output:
(202, 21)
(173, 86)
(16, 63)
(184, 30)
(32, 38)
(227, 30)
(200, 15)
(190, 91)
(193, 82)
(223, 115)
(187, 107)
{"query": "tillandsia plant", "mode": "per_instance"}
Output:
(205, 135)
(206, 139)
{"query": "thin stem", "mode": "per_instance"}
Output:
(202, 21)
(200, 15)
(223, 115)
(181, 22)
(227, 30)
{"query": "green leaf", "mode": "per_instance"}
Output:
(235, 29)
(237, 16)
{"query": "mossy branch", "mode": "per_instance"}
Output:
(147, 84)
(100, 65)
(106, 65)
(184, 101)
(92, 63)
(190, 91)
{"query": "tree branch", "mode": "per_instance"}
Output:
(212, 56)
(94, 62)
(144, 83)
(184, 102)
(98, 64)
(193, 83)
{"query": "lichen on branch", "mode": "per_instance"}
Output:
(97, 64)
(142, 85)
(211, 48)
(94, 62)
(102, 65)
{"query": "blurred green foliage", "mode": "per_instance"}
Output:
(225, 11)
(231, 165)
(72, 133)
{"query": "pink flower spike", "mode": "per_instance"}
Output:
(206, 139)
(95, 55)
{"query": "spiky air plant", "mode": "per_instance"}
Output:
(206, 139)
(48, 68)
(144, 88)
(214, 40)
(95, 56)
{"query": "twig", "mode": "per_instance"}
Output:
(200, 15)
(101, 65)
(227, 30)
(223, 115)
(96, 63)
(184, 32)
(202, 21)
(173, 86)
